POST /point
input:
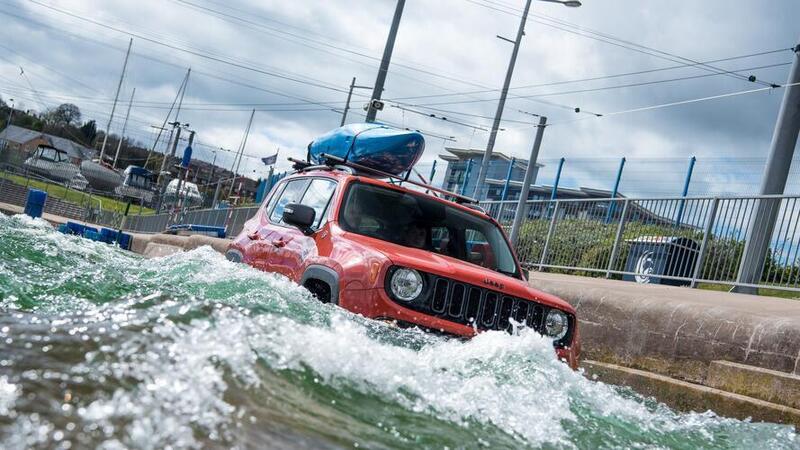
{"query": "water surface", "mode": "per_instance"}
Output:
(102, 348)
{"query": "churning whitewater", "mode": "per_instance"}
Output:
(102, 348)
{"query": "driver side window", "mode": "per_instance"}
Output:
(291, 194)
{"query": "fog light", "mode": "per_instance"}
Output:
(556, 324)
(406, 284)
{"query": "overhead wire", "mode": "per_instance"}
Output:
(196, 53)
(607, 38)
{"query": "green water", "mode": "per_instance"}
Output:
(101, 348)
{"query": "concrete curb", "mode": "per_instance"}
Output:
(686, 396)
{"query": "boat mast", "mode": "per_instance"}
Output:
(124, 128)
(116, 97)
(236, 165)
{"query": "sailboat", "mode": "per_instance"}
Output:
(101, 175)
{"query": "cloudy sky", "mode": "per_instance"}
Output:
(293, 62)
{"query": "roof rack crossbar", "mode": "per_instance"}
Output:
(332, 160)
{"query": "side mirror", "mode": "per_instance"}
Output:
(300, 216)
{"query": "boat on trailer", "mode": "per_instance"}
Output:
(138, 183)
(100, 175)
(55, 164)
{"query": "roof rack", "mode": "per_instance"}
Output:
(332, 161)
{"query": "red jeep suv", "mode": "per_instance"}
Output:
(389, 252)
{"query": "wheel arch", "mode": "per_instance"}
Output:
(325, 275)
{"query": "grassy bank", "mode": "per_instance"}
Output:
(74, 196)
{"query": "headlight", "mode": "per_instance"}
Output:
(556, 324)
(406, 284)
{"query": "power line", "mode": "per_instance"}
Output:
(186, 50)
(605, 88)
(597, 78)
(172, 64)
(442, 118)
(609, 39)
(223, 15)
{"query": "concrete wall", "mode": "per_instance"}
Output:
(741, 344)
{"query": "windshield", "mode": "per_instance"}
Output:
(417, 221)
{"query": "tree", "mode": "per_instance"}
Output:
(64, 114)
(89, 132)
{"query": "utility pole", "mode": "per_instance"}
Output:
(387, 57)
(116, 97)
(773, 182)
(498, 115)
(530, 171)
(347, 105)
(124, 128)
(349, 95)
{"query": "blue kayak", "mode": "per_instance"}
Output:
(373, 145)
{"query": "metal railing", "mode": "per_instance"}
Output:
(686, 241)
(232, 219)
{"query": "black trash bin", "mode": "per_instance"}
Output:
(650, 256)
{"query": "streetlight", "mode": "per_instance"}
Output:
(504, 93)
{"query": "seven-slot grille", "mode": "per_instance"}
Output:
(477, 306)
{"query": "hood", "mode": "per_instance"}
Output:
(455, 269)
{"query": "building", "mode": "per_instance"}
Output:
(463, 166)
(18, 143)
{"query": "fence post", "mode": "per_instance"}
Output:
(698, 265)
(610, 214)
(550, 231)
(554, 194)
(617, 239)
(508, 179)
(685, 191)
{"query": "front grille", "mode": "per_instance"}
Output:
(479, 307)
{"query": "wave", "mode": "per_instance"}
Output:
(106, 349)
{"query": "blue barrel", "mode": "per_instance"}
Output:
(108, 235)
(125, 241)
(35, 203)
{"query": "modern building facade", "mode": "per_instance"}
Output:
(464, 164)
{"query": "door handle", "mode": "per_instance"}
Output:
(279, 243)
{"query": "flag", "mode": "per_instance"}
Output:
(270, 160)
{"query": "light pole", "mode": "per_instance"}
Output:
(504, 93)
(10, 112)
(350, 94)
(387, 57)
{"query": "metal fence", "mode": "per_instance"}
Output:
(232, 219)
(687, 241)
